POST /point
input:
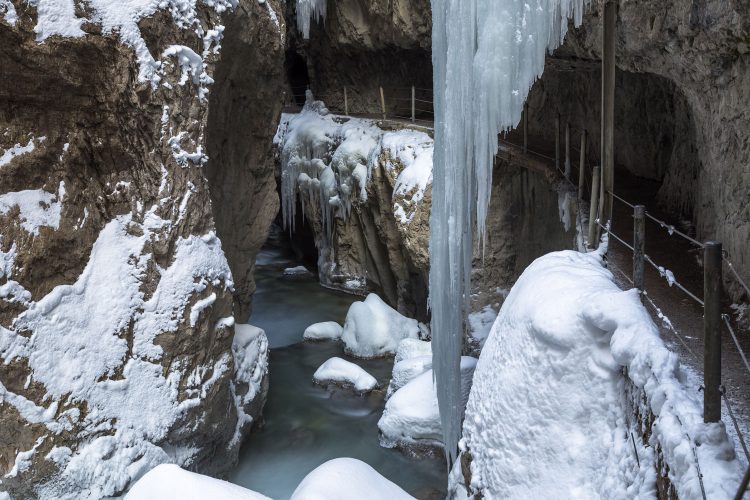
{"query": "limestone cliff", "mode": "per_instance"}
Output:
(116, 317)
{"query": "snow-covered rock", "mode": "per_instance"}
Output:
(347, 479)
(412, 348)
(297, 272)
(373, 328)
(342, 372)
(327, 330)
(171, 481)
(407, 370)
(411, 415)
(546, 417)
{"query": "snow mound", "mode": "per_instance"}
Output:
(171, 481)
(347, 479)
(554, 362)
(407, 370)
(327, 330)
(340, 371)
(411, 415)
(373, 328)
(411, 348)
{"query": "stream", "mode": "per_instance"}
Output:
(305, 424)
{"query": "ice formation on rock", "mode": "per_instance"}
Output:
(307, 12)
(486, 56)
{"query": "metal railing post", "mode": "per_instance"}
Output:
(582, 166)
(412, 104)
(346, 103)
(594, 205)
(567, 151)
(639, 246)
(712, 331)
(382, 102)
(557, 141)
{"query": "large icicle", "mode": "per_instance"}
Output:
(307, 12)
(486, 56)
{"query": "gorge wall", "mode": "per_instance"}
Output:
(117, 334)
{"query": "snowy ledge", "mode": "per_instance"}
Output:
(555, 360)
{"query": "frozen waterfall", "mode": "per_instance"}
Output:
(486, 55)
(307, 12)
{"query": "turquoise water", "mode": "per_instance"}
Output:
(305, 424)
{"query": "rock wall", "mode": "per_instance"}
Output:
(702, 50)
(116, 317)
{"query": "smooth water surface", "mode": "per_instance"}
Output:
(306, 424)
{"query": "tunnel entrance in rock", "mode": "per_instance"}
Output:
(655, 135)
(297, 75)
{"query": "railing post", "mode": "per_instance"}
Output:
(567, 150)
(609, 41)
(346, 103)
(557, 141)
(594, 205)
(412, 104)
(639, 246)
(582, 166)
(382, 102)
(525, 127)
(712, 331)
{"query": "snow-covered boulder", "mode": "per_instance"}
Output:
(373, 328)
(326, 330)
(412, 348)
(411, 415)
(171, 481)
(407, 370)
(342, 372)
(298, 272)
(546, 416)
(250, 350)
(347, 479)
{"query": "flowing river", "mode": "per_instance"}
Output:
(306, 424)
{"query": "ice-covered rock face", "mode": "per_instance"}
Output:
(116, 323)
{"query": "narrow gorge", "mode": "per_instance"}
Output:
(374, 249)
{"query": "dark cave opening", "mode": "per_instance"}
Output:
(297, 75)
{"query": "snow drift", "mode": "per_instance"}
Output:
(548, 414)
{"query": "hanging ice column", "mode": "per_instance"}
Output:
(308, 11)
(486, 55)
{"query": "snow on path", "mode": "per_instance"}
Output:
(547, 415)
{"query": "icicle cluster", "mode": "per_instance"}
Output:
(486, 56)
(307, 11)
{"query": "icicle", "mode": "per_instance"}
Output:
(307, 11)
(486, 55)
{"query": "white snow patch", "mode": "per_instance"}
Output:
(171, 481)
(37, 207)
(480, 323)
(339, 371)
(8, 11)
(554, 361)
(326, 330)
(347, 478)
(17, 150)
(373, 328)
